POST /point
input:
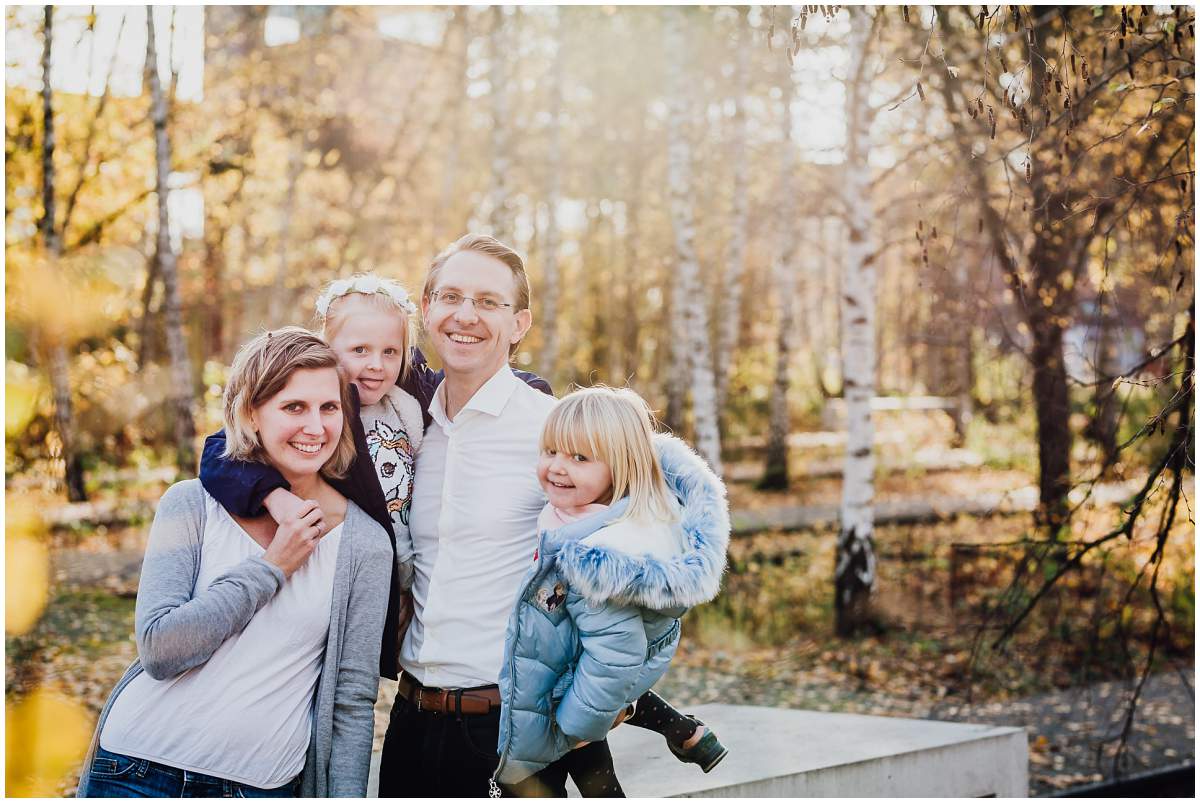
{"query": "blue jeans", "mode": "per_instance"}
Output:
(115, 775)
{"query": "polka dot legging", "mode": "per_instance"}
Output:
(656, 714)
(591, 766)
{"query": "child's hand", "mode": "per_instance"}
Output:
(282, 504)
(626, 713)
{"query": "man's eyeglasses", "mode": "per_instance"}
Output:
(452, 299)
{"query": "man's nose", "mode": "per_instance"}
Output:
(466, 311)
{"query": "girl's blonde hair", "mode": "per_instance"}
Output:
(616, 427)
(386, 295)
(261, 369)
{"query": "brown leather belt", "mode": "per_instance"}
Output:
(448, 701)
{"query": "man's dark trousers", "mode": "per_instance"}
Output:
(438, 755)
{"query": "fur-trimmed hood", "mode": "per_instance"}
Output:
(694, 577)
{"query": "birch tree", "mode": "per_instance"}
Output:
(447, 221)
(182, 394)
(58, 362)
(854, 575)
(280, 310)
(499, 77)
(730, 298)
(553, 192)
(689, 308)
(775, 472)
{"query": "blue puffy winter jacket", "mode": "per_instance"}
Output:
(593, 628)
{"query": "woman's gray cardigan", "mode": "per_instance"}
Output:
(177, 630)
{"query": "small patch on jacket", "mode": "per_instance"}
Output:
(548, 600)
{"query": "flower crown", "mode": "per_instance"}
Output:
(367, 285)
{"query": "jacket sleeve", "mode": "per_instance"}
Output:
(358, 673)
(176, 625)
(613, 641)
(239, 485)
(420, 381)
(534, 381)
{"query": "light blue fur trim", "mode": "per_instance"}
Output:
(602, 575)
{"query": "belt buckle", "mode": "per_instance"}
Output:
(419, 696)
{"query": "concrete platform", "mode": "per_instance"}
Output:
(778, 752)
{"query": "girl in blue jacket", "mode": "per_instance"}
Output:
(634, 533)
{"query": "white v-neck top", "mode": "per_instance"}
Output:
(246, 713)
(474, 529)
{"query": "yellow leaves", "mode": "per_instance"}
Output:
(26, 566)
(23, 389)
(47, 736)
(26, 582)
(69, 298)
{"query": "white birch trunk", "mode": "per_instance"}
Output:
(629, 324)
(447, 223)
(729, 317)
(855, 571)
(775, 473)
(58, 362)
(280, 307)
(676, 47)
(183, 397)
(501, 58)
(549, 320)
(689, 305)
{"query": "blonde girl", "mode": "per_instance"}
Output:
(634, 533)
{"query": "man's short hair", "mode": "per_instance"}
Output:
(261, 369)
(485, 244)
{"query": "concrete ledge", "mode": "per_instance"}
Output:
(780, 752)
(775, 752)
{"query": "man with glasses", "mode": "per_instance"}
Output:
(474, 525)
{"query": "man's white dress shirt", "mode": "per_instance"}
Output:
(474, 528)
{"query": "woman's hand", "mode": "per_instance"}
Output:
(297, 537)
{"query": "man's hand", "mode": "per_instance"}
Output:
(296, 538)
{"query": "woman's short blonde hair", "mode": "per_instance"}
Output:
(261, 369)
(616, 427)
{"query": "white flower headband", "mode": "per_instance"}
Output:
(368, 285)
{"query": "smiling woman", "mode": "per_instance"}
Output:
(244, 627)
(262, 371)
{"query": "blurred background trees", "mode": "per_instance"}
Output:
(1051, 211)
(794, 229)
(761, 218)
